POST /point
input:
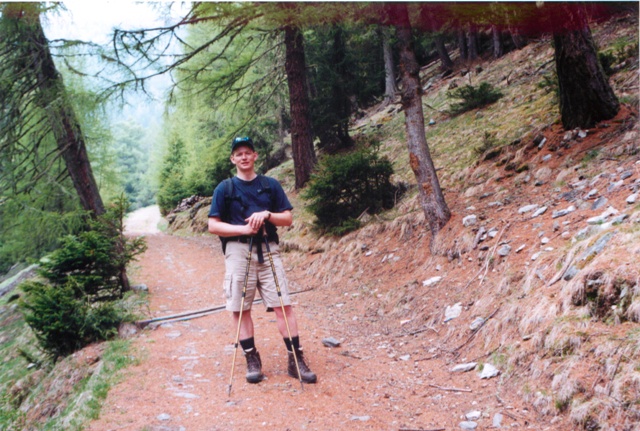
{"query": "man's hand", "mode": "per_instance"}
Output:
(256, 220)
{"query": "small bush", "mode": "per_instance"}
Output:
(85, 276)
(473, 97)
(63, 323)
(345, 186)
(93, 263)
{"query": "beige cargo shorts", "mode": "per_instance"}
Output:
(260, 277)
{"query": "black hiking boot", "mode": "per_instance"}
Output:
(254, 366)
(307, 376)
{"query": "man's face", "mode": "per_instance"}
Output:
(244, 158)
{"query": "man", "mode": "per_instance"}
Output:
(241, 210)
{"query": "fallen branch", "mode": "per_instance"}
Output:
(450, 389)
(418, 331)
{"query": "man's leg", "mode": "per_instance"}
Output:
(247, 342)
(293, 344)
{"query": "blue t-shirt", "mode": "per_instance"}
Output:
(248, 198)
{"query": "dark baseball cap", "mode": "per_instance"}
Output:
(242, 141)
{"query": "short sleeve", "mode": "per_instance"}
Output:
(280, 200)
(217, 202)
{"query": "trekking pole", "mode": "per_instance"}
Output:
(244, 294)
(284, 314)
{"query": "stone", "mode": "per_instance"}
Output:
(614, 186)
(619, 219)
(452, 312)
(539, 211)
(468, 425)
(431, 281)
(599, 203)
(488, 371)
(470, 220)
(625, 175)
(463, 368)
(527, 208)
(140, 288)
(546, 158)
(497, 420)
(534, 256)
(570, 273)
(473, 415)
(163, 417)
(359, 418)
(632, 199)
(564, 212)
(545, 240)
(519, 249)
(504, 250)
(478, 321)
(597, 247)
(602, 217)
(330, 342)
(592, 193)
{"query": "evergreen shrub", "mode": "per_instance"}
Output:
(472, 97)
(347, 185)
(85, 278)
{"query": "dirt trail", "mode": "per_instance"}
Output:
(180, 381)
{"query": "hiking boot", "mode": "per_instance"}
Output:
(307, 376)
(254, 366)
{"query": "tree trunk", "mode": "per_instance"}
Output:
(518, 40)
(462, 45)
(585, 94)
(472, 39)
(304, 156)
(432, 200)
(64, 123)
(445, 60)
(390, 87)
(340, 97)
(498, 46)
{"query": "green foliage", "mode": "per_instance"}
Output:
(607, 59)
(473, 97)
(62, 322)
(85, 276)
(92, 263)
(347, 185)
(347, 72)
(11, 418)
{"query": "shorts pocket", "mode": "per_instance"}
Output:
(227, 284)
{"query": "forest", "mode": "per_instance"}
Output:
(292, 76)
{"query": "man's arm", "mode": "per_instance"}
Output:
(254, 223)
(284, 218)
(220, 228)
